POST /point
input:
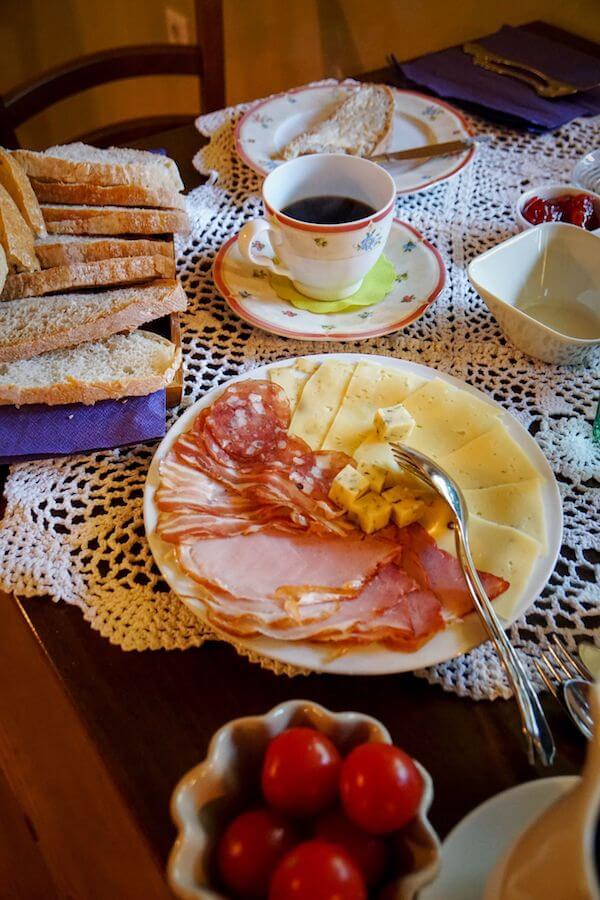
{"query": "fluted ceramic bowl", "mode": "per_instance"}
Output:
(225, 783)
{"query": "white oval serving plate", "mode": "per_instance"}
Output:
(374, 659)
(269, 125)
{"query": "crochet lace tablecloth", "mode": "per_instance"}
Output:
(73, 528)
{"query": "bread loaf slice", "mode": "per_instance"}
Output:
(359, 124)
(62, 250)
(16, 236)
(35, 325)
(123, 365)
(16, 182)
(80, 164)
(113, 220)
(105, 272)
(106, 195)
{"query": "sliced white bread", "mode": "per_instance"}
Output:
(35, 325)
(106, 195)
(62, 250)
(80, 163)
(62, 219)
(16, 182)
(359, 124)
(16, 236)
(123, 365)
(3, 267)
(103, 273)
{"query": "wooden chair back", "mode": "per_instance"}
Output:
(204, 59)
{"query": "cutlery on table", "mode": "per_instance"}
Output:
(429, 150)
(568, 680)
(544, 85)
(539, 738)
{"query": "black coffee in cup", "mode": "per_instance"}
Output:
(328, 210)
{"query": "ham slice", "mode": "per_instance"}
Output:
(437, 571)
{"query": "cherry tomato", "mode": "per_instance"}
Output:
(368, 852)
(250, 849)
(300, 772)
(381, 788)
(317, 870)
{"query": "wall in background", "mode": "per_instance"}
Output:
(270, 45)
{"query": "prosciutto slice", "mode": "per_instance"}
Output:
(437, 571)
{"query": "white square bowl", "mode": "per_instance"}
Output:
(552, 261)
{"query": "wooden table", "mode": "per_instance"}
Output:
(93, 739)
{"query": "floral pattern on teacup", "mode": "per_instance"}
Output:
(320, 241)
(370, 240)
(408, 246)
(257, 246)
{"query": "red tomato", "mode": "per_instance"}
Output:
(300, 772)
(368, 852)
(250, 848)
(317, 870)
(381, 788)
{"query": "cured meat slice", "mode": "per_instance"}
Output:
(435, 570)
(250, 421)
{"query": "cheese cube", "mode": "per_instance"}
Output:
(375, 474)
(407, 511)
(347, 486)
(370, 512)
(394, 423)
(400, 492)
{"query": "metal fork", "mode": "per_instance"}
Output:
(568, 680)
(533, 721)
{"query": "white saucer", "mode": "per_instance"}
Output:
(474, 846)
(420, 276)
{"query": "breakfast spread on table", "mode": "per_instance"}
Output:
(86, 246)
(298, 471)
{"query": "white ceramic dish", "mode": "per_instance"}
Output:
(473, 847)
(548, 192)
(374, 659)
(421, 276)
(553, 261)
(268, 126)
(207, 797)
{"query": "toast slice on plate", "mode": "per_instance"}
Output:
(358, 126)
(123, 365)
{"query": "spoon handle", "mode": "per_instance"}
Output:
(533, 720)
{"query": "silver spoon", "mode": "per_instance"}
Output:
(534, 725)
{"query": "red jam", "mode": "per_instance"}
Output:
(576, 209)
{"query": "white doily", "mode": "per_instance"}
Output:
(73, 527)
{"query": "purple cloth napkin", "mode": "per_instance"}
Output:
(38, 431)
(453, 74)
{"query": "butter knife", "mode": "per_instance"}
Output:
(428, 150)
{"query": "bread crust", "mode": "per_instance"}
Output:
(62, 219)
(16, 236)
(16, 182)
(106, 195)
(104, 273)
(152, 303)
(64, 253)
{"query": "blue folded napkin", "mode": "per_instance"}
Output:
(38, 431)
(453, 74)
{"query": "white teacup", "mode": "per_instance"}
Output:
(324, 262)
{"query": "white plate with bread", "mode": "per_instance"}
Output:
(86, 258)
(360, 119)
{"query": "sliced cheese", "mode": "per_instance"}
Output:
(446, 418)
(375, 452)
(518, 505)
(493, 458)
(502, 551)
(293, 378)
(372, 386)
(319, 402)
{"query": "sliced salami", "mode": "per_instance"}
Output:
(250, 420)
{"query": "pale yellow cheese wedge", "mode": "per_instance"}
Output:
(446, 418)
(493, 458)
(319, 402)
(293, 378)
(373, 451)
(503, 551)
(517, 505)
(372, 386)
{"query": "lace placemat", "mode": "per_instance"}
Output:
(73, 527)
